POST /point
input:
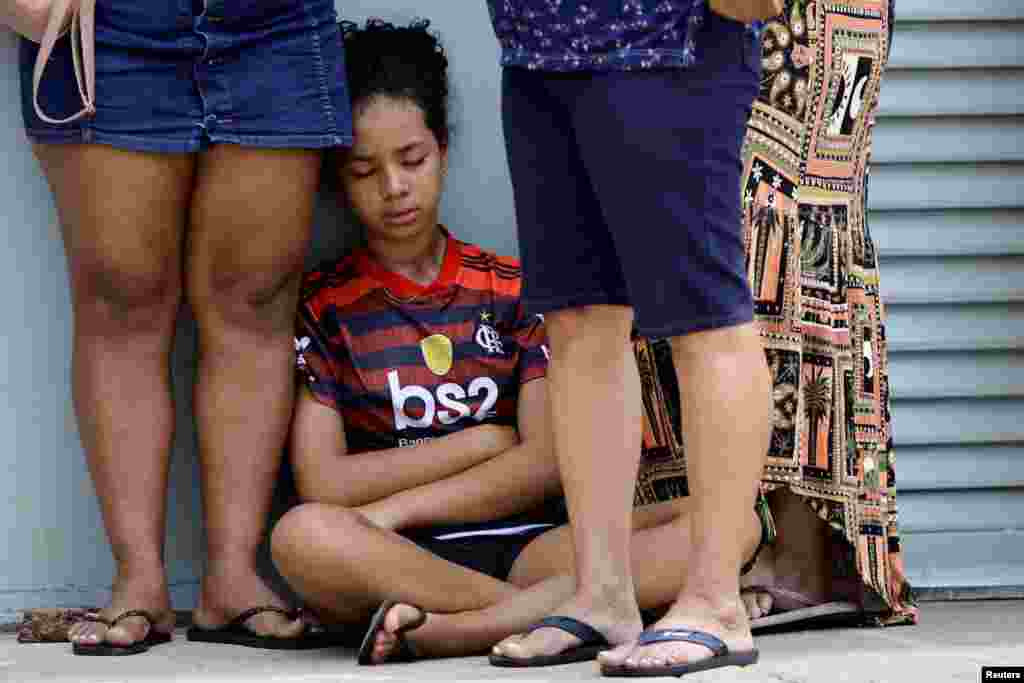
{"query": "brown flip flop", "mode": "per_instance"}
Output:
(153, 636)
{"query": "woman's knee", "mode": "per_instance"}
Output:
(251, 222)
(254, 295)
(604, 328)
(117, 295)
(122, 218)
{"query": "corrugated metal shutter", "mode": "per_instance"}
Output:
(947, 212)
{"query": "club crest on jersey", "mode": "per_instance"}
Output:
(438, 353)
(487, 338)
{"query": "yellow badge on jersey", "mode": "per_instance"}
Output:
(438, 353)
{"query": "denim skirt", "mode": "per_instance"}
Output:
(174, 76)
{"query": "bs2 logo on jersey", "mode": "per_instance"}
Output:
(447, 407)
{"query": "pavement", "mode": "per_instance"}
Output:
(952, 643)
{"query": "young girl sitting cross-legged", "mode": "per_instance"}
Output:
(421, 441)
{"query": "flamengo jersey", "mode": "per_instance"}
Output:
(403, 362)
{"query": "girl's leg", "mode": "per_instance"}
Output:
(544, 571)
(251, 221)
(341, 564)
(123, 216)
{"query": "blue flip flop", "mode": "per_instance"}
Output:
(721, 655)
(592, 642)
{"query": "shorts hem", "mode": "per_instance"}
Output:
(159, 145)
(693, 326)
(542, 306)
(307, 141)
(131, 143)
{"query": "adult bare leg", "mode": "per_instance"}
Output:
(725, 394)
(251, 222)
(123, 217)
(594, 394)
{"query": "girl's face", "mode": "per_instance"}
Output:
(394, 173)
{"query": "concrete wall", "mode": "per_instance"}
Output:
(52, 540)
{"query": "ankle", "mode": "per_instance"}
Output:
(617, 599)
(230, 566)
(140, 572)
(726, 609)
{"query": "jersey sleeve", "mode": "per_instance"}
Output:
(316, 367)
(532, 339)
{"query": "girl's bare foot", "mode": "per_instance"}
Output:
(796, 567)
(386, 644)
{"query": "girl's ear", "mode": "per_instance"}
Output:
(443, 146)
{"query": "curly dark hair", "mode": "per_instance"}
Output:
(398, 61)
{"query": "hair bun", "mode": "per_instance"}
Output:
(409, 62)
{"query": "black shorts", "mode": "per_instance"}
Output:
(491, 548)
(492, 555)
(627, 186)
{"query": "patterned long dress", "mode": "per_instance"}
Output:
(813, 269)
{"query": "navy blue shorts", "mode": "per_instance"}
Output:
(627, 186)
(177, 75)
(491, 548)
(493, 555)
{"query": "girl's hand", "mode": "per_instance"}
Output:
(383, 514)
(500, 437)
(747, 11)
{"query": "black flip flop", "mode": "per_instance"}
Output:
(721, 655)
(403, 650)
(592, 642)
(235, 632)
(153, 636)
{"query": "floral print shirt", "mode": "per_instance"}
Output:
(597, 35)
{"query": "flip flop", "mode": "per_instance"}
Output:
(792, 608)
(153, 636)
(235, 632)
(403, 649)
(592, 642)
(721, 655)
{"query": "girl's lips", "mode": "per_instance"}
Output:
(402, 217)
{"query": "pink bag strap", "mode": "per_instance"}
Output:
(78, 17)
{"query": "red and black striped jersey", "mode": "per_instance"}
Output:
(403, 362)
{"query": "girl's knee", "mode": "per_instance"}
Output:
(301, 532)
